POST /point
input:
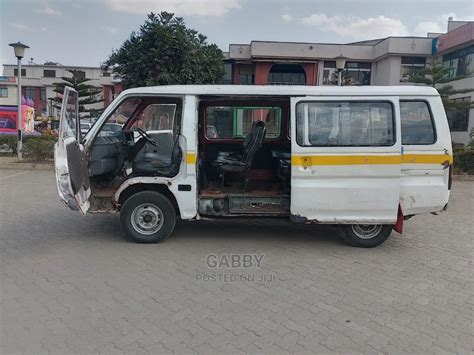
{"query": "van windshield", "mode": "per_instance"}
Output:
(125, 111)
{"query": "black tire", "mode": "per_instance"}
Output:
(352, 234)
(147, 217)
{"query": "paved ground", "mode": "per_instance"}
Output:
(72, 284)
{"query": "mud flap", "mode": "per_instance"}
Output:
(398, 227)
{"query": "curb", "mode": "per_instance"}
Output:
(46, 166)
(463, 177)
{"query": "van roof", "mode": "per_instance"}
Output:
(286, 90)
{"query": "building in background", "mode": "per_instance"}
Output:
(37, 84)
(385, 61)
(455, 49)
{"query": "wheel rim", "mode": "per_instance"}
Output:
(366, 231)
(147, 219)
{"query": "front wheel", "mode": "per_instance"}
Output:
(147, 217)
(366, 235)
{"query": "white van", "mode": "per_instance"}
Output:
(366, 158)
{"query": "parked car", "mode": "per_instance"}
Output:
(85, 127)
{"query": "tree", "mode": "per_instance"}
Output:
(436, 74)
(87, 94)
(164, 52)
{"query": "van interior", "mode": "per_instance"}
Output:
(244, 156)
(243, 152)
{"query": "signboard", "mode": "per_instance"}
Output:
(7, 79)
(453, 38)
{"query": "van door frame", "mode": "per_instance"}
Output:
(186, 198)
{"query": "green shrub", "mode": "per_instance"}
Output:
(8, 144)
(39, 147)
(464, 161)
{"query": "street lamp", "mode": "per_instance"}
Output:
(19, 53)
(340, 66)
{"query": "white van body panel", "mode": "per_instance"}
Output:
(280, 90)
(425, 168)
(345, 184)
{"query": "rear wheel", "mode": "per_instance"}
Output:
(366, 235)
(147, 217)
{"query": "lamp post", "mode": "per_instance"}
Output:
(19, 53)
(340, 66)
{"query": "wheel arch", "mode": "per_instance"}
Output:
(123, 194)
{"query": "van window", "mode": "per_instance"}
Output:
(157, 117)
(147, 113)
(69, 124)
(345, 123)
(228, 122)
(417, 123)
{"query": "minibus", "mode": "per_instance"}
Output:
(364, 158)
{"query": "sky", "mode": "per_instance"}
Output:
(84, 32)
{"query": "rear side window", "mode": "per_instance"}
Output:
(417, 123)
(345, 123)
(232, 122)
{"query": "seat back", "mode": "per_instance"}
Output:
(250, 136)
(164, 142)
(176, 154)
(255, 143)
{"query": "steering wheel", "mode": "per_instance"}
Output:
(146, 136)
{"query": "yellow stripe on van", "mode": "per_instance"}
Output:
(426, 158)
(305, 160)
(191, 158)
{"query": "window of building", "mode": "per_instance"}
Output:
(43, 94)
(345, 123)
(410, 65)
(246, 74)
(30, 92)
(458, 120)
(49, 73)
(79, 74)
(228, 74)
(460, 62)
(226, 122)
(246, 79)
(356, 73)
(417, 123)
(287, 74)
(329, 73)
(3, 91)
(105, 73)
(23, 72)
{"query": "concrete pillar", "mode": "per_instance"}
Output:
(311, 72)
(107, 94)
(261, 72)
(235, 73)
(118, 88)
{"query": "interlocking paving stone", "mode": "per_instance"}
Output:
(70, 283)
